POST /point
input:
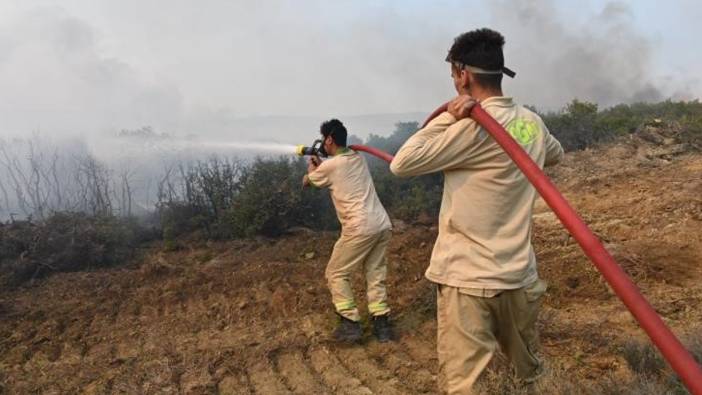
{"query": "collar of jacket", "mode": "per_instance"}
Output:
(501, 101)
(343, 151)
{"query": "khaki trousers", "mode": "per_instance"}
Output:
(350, 253)
(470, 329)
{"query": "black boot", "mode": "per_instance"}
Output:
(348, 331)
(382, 329)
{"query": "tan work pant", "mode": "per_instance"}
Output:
(470, 328)
(350, 253)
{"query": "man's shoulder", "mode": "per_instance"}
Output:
(334, 162)
(327, 165)
(348, 155)
(468, 130)
(530, 113)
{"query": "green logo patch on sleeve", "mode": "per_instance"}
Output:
(523, 130)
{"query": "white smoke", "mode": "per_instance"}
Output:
(603, 58)
(54, 78)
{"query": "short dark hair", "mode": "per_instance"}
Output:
(480, 48)
(336, 130)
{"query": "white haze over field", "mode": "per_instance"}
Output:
(273, 70)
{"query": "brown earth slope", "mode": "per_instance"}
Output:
(254, 316)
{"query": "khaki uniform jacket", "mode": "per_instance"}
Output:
(484, 239)
(357, 205)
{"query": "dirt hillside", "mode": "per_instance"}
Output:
(254, 316)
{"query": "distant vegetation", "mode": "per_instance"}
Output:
(73, 212)
(580, 124)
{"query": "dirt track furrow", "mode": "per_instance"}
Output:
(377, 378)
(335, 376)
(265, 381)
(297, 375)
(234, 384)
(394, 359)
(421, 351)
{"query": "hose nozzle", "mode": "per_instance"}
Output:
(301, 150)
(315, 150)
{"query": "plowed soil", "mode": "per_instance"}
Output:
(254, 316)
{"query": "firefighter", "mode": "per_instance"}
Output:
(483, 262)
(365, 234)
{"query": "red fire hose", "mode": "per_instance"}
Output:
(373, 151)
(674, 352)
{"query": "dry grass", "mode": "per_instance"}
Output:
(650, 376)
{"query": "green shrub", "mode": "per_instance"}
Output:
(577, 126)
(234, 199)
(271, 200)
(580, 125)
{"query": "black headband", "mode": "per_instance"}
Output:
(477, 70)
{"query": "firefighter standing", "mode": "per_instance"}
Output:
(483, 261)
(365, 233)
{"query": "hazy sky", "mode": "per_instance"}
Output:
(95, 65)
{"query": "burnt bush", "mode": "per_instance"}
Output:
(196, 197)
(263, 197)
(66, 242)
(648, 364)
(650, 376)
(643, 359)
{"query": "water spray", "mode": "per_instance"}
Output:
(246, 146)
